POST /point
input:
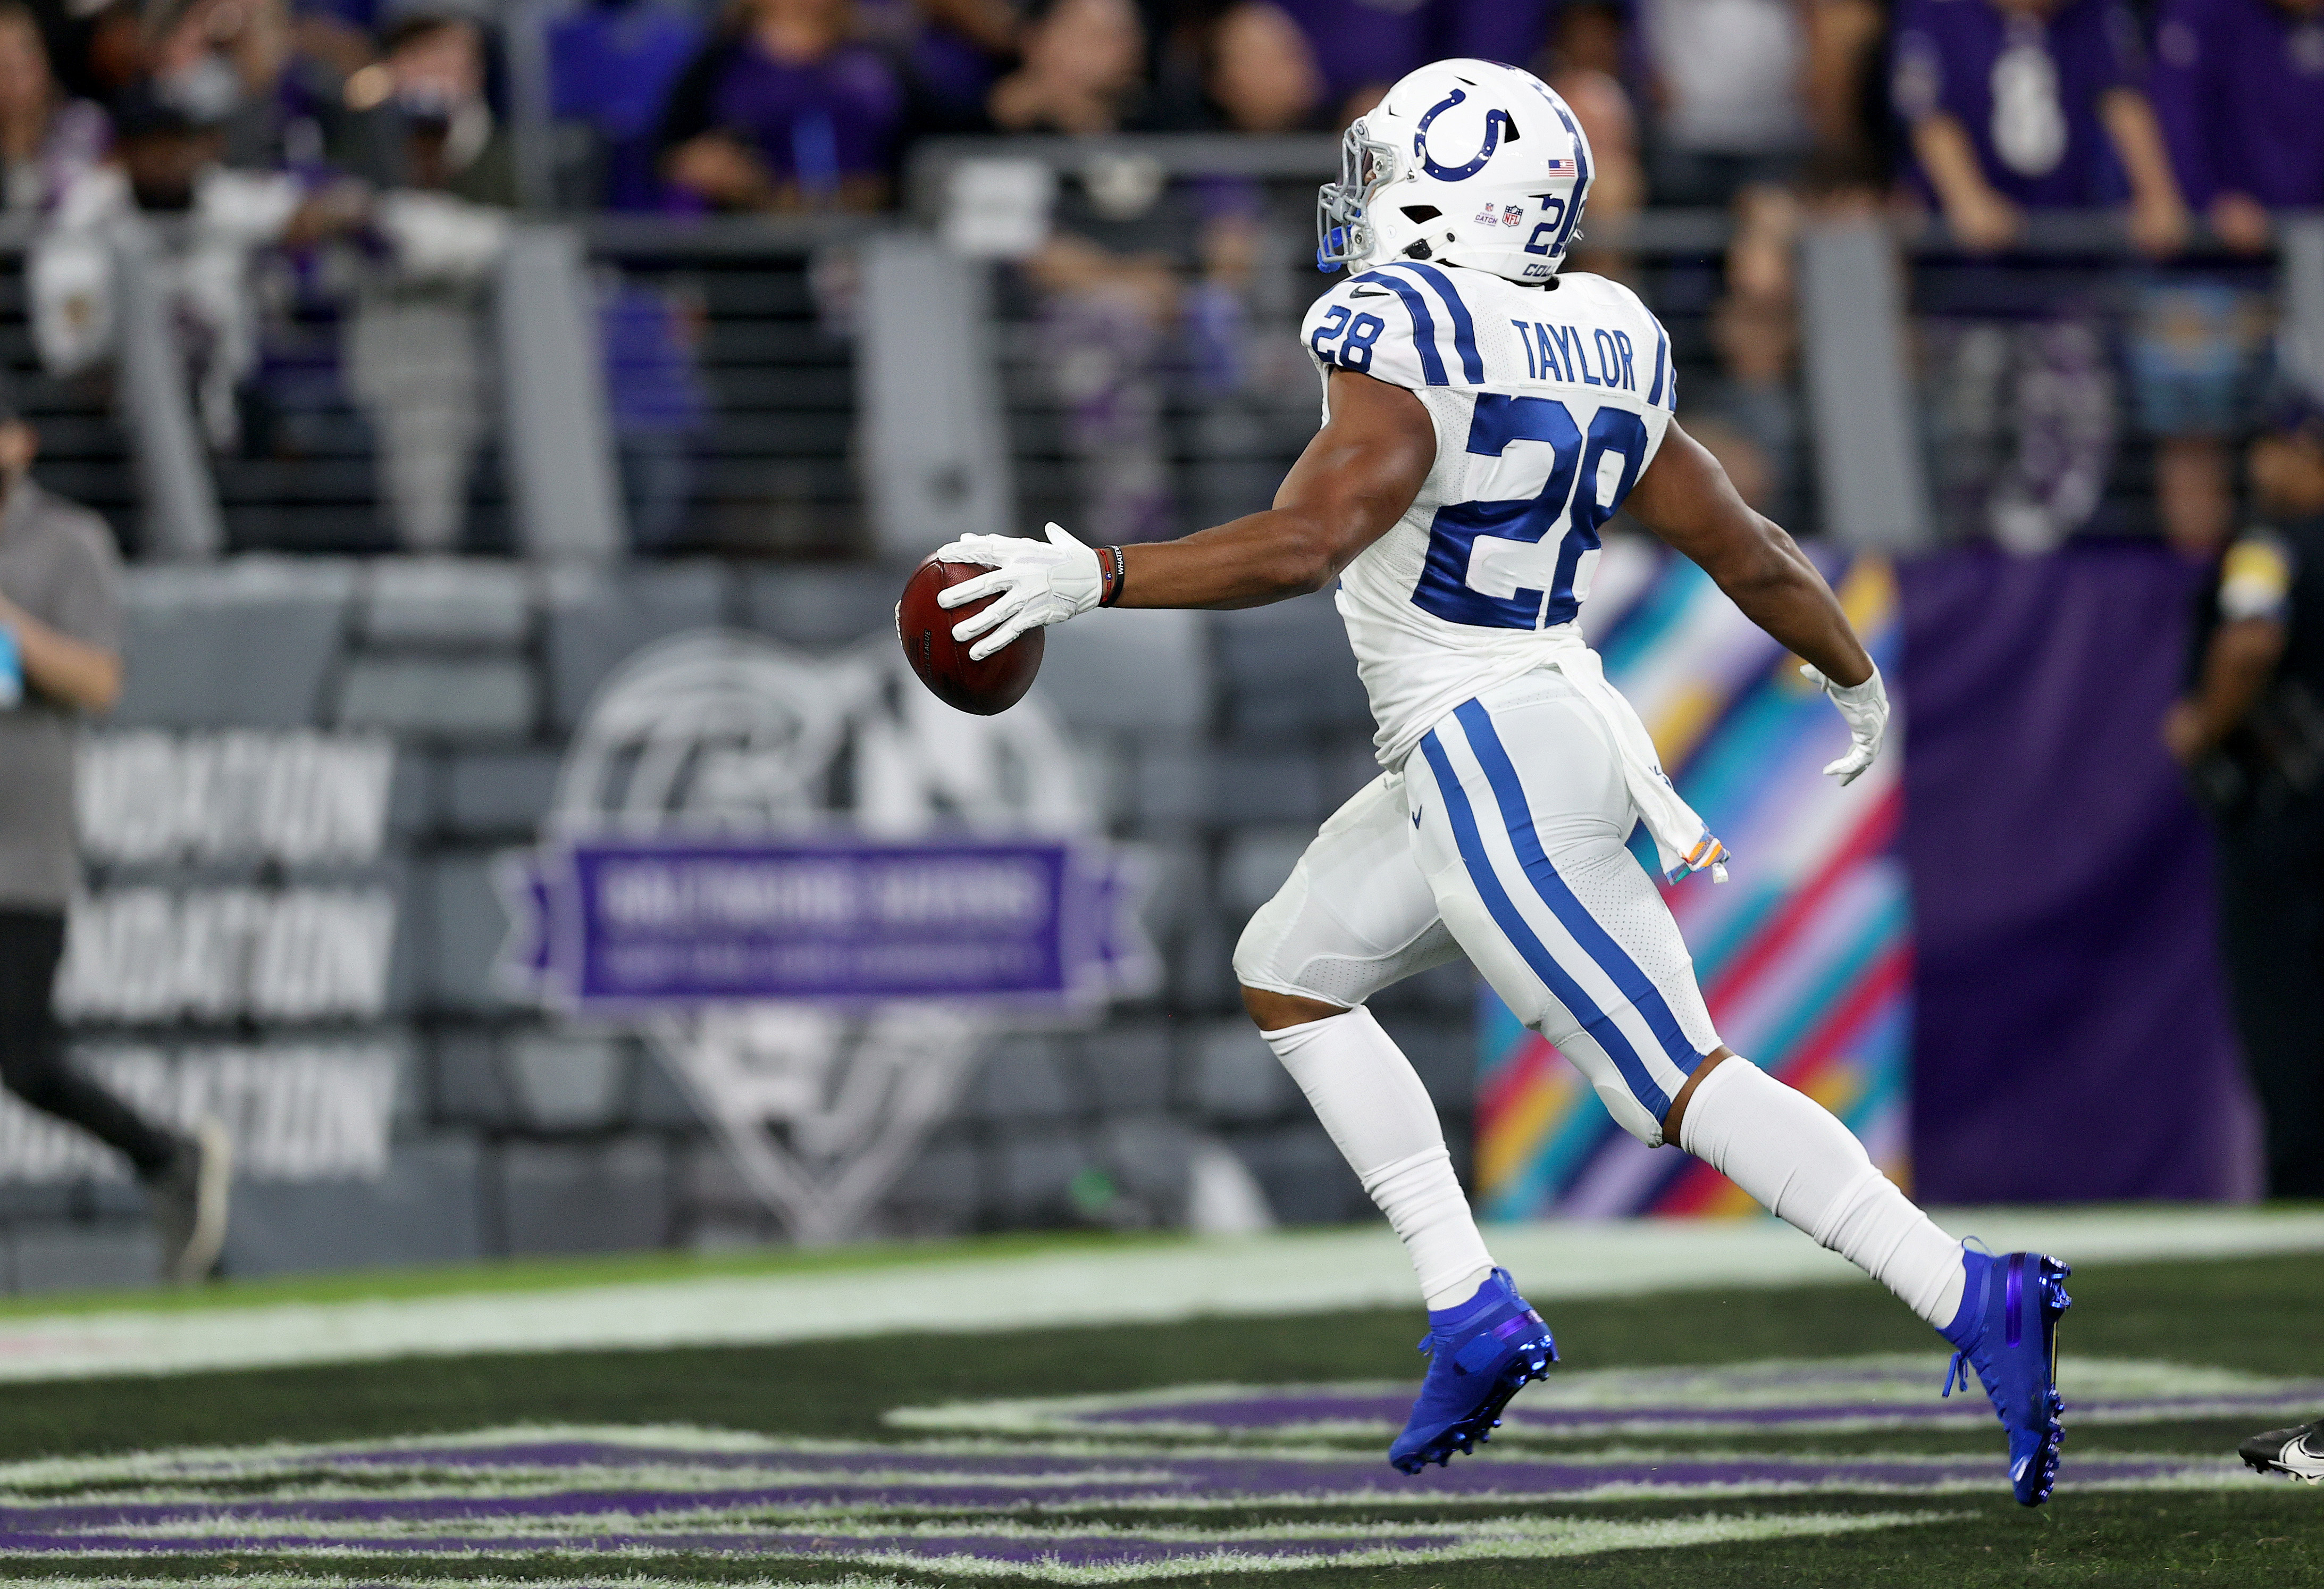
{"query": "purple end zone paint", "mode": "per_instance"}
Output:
(375, 1522)
(601, 1495)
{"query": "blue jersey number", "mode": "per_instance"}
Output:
(1361, 330)
(1544, 235)
(1491, 563)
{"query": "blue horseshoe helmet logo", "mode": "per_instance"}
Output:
(1494, 121)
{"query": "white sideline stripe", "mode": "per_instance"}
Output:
(1288, 1272)
(1493, 1539)
(234, 1579)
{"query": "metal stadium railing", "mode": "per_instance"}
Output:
(1138, 341)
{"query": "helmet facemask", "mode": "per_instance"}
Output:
(1344, 232)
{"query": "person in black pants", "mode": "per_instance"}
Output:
(60, 657)
(2250, 731)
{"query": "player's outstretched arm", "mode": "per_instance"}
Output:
(1347, 489)
(1685, 497)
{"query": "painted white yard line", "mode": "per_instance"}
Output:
(1494, 1539)
(1281, 1273)
(235, 1578)
(1504, 1541)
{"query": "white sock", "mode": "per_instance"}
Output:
(1787, 1151)
(1370, 1100)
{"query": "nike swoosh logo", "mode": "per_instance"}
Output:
(1366, 292)
(1416, 819)
(2018, 1471)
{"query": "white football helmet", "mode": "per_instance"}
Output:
(1465, 162)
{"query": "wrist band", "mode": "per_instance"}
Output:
(1108, 568)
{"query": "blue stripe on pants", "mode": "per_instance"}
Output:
(1527, 944)
(1596, 942)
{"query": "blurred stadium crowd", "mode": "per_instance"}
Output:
(348, 172)
(807, 282)
(804, 105)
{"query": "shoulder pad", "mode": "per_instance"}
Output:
(1405, 324)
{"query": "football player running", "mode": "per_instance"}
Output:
(1483, 417)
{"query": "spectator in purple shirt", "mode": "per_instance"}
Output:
(1365, 45)
(950, 52)
(2239, 91)
(2239, 88)
(1106, 278)
(660, 405)
(1083, 70)
(782, 112)
(2012, 104)
(1511, 30)
(611, 65)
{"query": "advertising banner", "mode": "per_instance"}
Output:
(2065, 943)
(235, 886)
(617, 925)
(819, 892)
(1804, 958)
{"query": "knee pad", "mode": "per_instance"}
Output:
(1294, 945)
(1255, 955)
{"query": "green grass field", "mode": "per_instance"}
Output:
(943, 1458)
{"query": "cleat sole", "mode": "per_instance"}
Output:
(2051, 1288)
(1463, 1438)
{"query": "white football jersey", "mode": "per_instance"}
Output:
(1548, 402)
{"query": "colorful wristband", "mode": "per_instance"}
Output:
(1108, 568)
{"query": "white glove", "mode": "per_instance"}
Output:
(1865, 708)
(1038, 582)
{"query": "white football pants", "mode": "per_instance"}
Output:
(1502, 838)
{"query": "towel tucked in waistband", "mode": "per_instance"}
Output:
(1683, 842)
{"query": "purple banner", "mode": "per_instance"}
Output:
(2070, 1034)
(609, 924)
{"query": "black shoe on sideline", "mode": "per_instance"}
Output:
(2298, 1453)
(188, 1203)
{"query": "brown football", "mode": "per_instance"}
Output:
(993, 684)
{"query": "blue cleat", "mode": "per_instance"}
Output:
(1479, 1354)
(2007, 1329)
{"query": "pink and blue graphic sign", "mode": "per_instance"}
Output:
(1805, 956)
